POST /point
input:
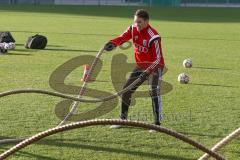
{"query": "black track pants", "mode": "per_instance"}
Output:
(154, 90)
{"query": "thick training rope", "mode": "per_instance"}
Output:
(57, 94)
(222, 143)
(82, 124)
(83, 88)
(76, 99)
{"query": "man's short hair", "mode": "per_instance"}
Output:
(142, 14)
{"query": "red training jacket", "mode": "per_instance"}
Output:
(146, 45)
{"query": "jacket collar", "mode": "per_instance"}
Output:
(145, 29)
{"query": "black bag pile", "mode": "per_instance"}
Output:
(36, 42)
(7, 38)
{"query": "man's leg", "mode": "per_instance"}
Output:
(126, 97)
(155, 86)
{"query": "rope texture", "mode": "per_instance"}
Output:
(82, 124)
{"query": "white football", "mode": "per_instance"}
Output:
(183, 78)
(187, 63)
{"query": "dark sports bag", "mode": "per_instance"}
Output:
(6, 37)
(36, 42)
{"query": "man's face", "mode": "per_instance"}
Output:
(140, 22)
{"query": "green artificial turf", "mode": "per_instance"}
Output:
(207, 109)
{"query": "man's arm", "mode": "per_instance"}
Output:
(124, 37)
(155, 45)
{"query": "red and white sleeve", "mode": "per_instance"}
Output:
(124, 37)
(155, 45)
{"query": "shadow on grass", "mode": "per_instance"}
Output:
(30, 155)
(213, 85)
(36, 156)
(157, 13)
(18, 54)
(70, 50)
(15, 54)
(203, 134)
(211, 68)
(59, 143)
(46, 49)
(111, 150)
(4, 137)
(24, 50)
(66, 33)
(58, 48)
(22, 45)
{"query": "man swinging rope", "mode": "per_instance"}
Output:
(148, 54)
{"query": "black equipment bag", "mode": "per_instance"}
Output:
(6, 37)
(36, 42)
